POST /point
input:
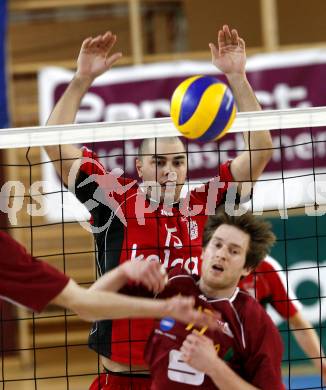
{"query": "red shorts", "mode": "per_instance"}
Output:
(120, 382)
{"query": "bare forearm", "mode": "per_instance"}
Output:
(67, 107)
(225, 378)
(65, 111)
(243, 93)
(247, 101)
(250, 163)
(93, 305)
(111, 281)
(307, 338)
(101, 305)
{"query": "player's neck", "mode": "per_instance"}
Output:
(213, 293)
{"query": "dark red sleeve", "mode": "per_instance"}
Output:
(283, 298)
(214, 191)
(264, 350)
(25, 280)
(90, 163)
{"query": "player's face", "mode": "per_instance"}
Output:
(224, 261)
(165, 163)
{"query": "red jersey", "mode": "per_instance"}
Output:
(249, 342)
(268, 284)
(25, 280)
(127, 226)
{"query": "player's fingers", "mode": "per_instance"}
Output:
(111, 42)
(187, 303)
(97, 39)
(235, 37)
(227, 35)
(113, 58)
(153, 277)
(184, 355)
(86, 42)
(214, 50)
(221, 38)
(207, 320)
(107, 35)
(242, 43)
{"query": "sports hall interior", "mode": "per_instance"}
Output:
(49, 33)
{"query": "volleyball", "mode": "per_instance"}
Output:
(203, 108)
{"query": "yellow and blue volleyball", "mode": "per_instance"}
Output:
(203, 108)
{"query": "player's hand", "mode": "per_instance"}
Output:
(199, 352)
(183, 309)
(229, 54)
(149, 273)
(94, 57)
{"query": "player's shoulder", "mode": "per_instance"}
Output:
(251, 312)
(248, 306)
(269, 264)
(9, 246)
(181, 278)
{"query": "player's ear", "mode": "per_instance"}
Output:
(139, 167)
(246, 271)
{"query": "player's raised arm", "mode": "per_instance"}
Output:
(94, 59)
(229, 56)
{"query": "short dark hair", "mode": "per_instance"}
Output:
(261, 236)
(145, 142)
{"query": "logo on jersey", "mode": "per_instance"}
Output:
(167, 323)
(193, 229)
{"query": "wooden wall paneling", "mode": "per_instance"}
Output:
(269, 22)
(301, 22)
(205, 17)
(32, 5)
(53, 40)
(135, 31)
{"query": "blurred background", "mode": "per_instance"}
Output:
(36, 34)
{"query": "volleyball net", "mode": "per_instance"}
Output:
(54, 226)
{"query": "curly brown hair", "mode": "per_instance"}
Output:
(261, 236)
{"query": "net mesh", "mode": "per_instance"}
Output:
(50, 350)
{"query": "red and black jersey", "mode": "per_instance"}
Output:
(24, 280)
(268, 285)
(127, 225)
(249, 342)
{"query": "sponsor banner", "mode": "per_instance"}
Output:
(282, 80)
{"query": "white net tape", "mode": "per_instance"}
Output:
(127, 130)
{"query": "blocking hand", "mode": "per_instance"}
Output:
(94, 57)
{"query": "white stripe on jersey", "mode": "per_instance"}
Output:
(282, 276)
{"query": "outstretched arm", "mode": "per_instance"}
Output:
(93, 305)
(152, 275)
(307, 338)
(94, 59)
(229, 56)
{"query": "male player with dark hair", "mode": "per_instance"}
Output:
(132, 223)
(246, 351)
(29, 282)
